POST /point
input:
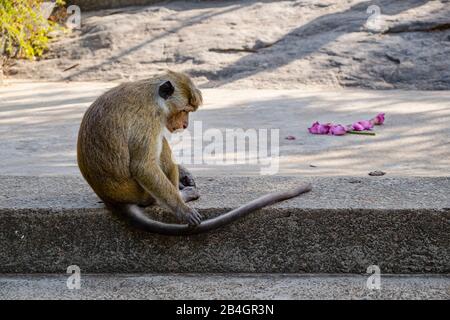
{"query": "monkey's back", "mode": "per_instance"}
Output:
(103, 143)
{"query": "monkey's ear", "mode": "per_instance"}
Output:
(166, 90)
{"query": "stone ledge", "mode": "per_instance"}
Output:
(224, 286)
(344, 225)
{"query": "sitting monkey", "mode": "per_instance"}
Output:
(125, 158)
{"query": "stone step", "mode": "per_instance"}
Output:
(224, 286)
(344, 225)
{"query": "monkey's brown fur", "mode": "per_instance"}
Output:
(121, 151)
(126, 160)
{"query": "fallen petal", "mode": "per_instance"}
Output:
(314, 129)
(357, 126)
(367, 125)
(379, 119)
(338, 130)
(324, 128)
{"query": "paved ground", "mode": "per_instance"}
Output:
(225, 286)
(39, 123)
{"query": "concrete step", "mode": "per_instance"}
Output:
(224, 286)
(344, 225)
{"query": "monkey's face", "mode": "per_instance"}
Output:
(180, 97)
(178, 121)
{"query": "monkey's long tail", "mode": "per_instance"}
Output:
(138, 218)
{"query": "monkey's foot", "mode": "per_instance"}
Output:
(189, 194)
(186, 178)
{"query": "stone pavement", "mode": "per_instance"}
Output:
(39, 122)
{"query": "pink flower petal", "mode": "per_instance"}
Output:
(379, 119)
(367, 125)
(318, 128)
(324, 128)
(337, 130)
(314, 128)
(357, 126)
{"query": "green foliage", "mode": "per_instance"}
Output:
(23, 28)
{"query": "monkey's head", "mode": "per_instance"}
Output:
(180, 97)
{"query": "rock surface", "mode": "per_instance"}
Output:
(254, 44)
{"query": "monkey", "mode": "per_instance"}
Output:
(124, 156)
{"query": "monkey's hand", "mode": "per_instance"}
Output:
(189, 215)
(186, 178)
